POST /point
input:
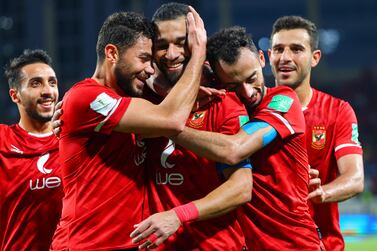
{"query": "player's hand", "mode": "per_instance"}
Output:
(196, 34)
(154, 230)
(56, 122)
(206, 95)
(316, 192)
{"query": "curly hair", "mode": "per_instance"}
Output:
(12, 70)
(226, 44)
(297, 22)
(122, 29)
(170, 11)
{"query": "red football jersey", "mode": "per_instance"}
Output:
(103, 174)
(331, 132)
(178, 176)
(277, 218)
(30, 189)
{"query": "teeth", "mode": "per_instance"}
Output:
(174, 66)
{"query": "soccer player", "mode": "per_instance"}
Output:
(177, 176)
(103, 173)
(331, 125)
(277, 218)
(30, 174)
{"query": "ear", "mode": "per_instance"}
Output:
(111, 53)
(316, 56)
(269, 52)
(13, 93)
(262, 60)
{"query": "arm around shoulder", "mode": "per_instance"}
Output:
(143, 117)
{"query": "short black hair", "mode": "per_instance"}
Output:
(122, 29)
(12, 70)
(226, 44)
(297, 22)
(170, 11)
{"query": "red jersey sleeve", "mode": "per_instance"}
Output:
(346, 132)
(90, 107)
(282, 110)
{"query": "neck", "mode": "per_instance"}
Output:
(304, 93)
(104, 77)
(34, 126)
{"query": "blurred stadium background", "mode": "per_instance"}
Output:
(67, 29)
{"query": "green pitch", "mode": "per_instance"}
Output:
(367, 244)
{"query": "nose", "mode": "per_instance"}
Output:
(286, 55)
(149, 68)
(47, 89)
(172, 52)
(245, 90)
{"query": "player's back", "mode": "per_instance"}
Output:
(30, 189)
(178, 176)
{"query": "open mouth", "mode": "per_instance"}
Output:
(173, 66)
(46, 104)
(286, 69)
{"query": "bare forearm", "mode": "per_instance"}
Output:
(229, 149)
(350, 181)
(231, 194)
(342, 188)
(214, 146)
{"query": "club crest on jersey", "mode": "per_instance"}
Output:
(197, 119)
(318, 137)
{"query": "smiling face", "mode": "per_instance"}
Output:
(244, 77)
(38, 92)
(134, 67)
(170, 52)
(292, 58)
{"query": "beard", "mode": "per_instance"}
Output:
(34, 114)
(172, 77)
(124, 81)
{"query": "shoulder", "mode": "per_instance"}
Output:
(281, 99)
(282, 90)
(330, 101)
(87, 87)
(6, 129)
(231, 98)
(229, 104)
(323, 96)
(89, 93)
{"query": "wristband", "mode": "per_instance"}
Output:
(186, 213)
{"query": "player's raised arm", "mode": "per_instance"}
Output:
(170, 116)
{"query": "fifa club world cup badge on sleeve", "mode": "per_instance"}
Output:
(197, 119)
(318, 137)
